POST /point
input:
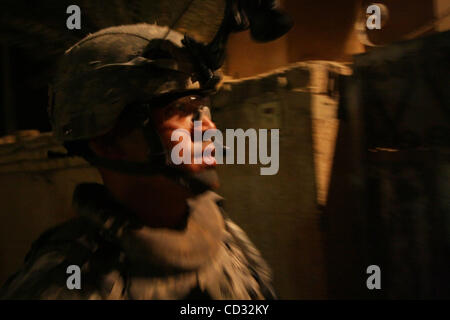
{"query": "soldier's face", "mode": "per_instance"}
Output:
(180, 114)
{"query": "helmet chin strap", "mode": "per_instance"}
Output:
(195, 182)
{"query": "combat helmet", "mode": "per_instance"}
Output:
(110, 69)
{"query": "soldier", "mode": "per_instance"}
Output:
(153, 230)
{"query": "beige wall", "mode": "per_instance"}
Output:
(247, 58)
(442, 10)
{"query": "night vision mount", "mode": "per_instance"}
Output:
(265, 21)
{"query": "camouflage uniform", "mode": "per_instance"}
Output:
(119, 257)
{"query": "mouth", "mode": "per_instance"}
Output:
(204, 156)
(208, 154)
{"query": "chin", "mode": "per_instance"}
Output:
(208, 176)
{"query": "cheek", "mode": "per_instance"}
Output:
(134, 146)
(167, 128)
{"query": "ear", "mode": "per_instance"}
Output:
(106, 148)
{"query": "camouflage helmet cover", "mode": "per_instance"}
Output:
(107, 70)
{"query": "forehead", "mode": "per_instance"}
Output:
(186, 105)
(178, 108)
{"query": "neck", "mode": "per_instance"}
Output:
(157, 200)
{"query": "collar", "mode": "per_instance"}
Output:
(186, 249)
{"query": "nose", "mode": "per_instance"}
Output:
(207, 123)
